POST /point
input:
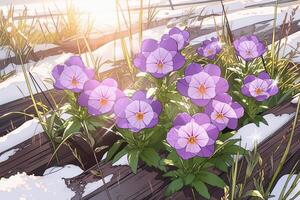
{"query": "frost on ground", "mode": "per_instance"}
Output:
(91, 187)
(48, 187)
(5, 156)
(280, 186)
(252, 135)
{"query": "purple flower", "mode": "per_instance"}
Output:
(202, 84)
(249, 47)
(137, 113)
(159, 58)
(100, 97)
(71, 75)
(261, 87)
(193, 136)
(181, 37)
(210, 48)
(223, 112)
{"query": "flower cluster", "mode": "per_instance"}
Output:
(193, 136)
(210, 48)
(261, 87)
(71, 75)
(203, 84)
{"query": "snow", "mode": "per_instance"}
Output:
(19, 135)
(296, 99)
(122, 161)
(280, 186)
(252, 135)
(43, 47)
(15, 87)
(91, 187)
(48, 187)
(5, 156)
(5, 53)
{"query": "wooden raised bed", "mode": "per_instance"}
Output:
(149, 184)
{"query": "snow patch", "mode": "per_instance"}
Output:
(280, 186)
(122, 161)
(91, 187)
(48, 187)
(296, 99)
(252, 135)
(5, 156)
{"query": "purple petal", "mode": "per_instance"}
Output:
(139, 95)
(212, 69)
(120, 106)
(201, 118)
(232, 124)
(153, 122)
(149, 45)
(222, 85)
(83, 99)
(140, 62)
(182, 119)
(169, 44)
(225, 98)
(57, 70)
(174, 30)
(193, 68)
(90, 85)
(75, 60)
(122, 123)
(184, 155)
(110, 82)
(156, 106)
(239, 110)
(264, 75)
(273, 90)
(90, 73)
(201, 102)
(172, 138)
(178, 61)
(207, 151)
(182, 87)
(245, 90)
(213, 132)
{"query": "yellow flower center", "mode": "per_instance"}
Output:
(219, 116)
(139, 116)
(103, 101)
(210, 52)
(258, 91)
(160, 64)
(74, 82)
(192, 140)
(202, 89)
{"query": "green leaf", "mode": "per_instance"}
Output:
(72, 127)
(253, 193)
(201, 189)
(174, 186)
(120, 154)
(113, 149)
(172, 174)
(211, 179)
(133, 158)
(151, 157)
(188, 179)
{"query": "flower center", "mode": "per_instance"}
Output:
(249, 53)
(103, 101)
(202, 89)
(192, 140)
(209, 51)
(258, 91)
(74, 82)
(219, 116)
(160, 64)
(139, 116)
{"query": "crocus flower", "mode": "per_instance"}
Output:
(137, 113)
(71, 75)
(210, 48)
(181, 37)
(224, 112)
(159, 58)
(249, 47)
(193, 136)
(261, 87)
(100, 97)
(202, 84)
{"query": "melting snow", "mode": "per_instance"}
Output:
(280, 185)
(91, 187)
(122, 161)
(48, 187)
(5, 156)
(252, 135)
